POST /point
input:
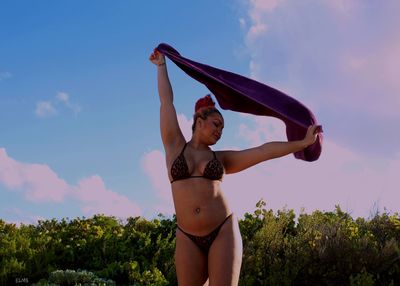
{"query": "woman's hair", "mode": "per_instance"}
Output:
(203, 108)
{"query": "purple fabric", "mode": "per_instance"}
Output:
(238, 93)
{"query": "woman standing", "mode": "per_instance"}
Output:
(208, 242)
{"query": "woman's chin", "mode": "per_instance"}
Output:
(214, 141)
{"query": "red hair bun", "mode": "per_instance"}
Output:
(205, 101)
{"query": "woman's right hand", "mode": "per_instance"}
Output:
(157, 58)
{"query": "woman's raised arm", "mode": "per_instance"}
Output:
(171, 134)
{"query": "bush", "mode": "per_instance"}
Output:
(80, 277)
(321, 248)
(328, 248)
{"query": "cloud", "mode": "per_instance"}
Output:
(256, 130)
(63, 97)
(5, 75)
(377, 74)
(40, 184)
(48, 108)
(154, 166)
(45, 109)
(257, 10)
(342, 6)
(96, 198)
(341, 176)
(186, 126)
(336, 59)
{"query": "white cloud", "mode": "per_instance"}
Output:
(48, 108)
(63, 97)
(263, 129)
(186, 126)
(259, 8)
(45, 109)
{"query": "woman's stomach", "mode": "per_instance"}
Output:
(200, 205)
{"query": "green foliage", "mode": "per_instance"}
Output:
(362, 279)
(328, 248)
(322, 248)
(72, 277)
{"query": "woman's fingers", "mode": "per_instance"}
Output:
(155, 54)
(312, 132)
(153, 57)
(317, 129)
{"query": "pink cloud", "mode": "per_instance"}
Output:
(351, 57)
(342, 6)
(340, 176)
(39, 183)
(96, 198)
(265, 5)
(154, 166)
(378, 69)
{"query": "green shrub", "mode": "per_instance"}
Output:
(80, 277)
(321, 248)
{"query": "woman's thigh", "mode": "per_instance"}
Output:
(190, 262)
(225, 256)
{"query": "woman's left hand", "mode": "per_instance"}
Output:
(311, 136)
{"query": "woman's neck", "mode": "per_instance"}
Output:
(197, 144)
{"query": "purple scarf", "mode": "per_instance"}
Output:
(238, 93)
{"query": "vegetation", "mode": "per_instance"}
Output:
(322, 248)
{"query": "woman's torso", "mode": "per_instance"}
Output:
(199, 202)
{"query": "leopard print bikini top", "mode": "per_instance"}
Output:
(214, 169)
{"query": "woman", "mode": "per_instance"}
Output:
(208, 242)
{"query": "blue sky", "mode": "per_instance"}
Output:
(79, 105)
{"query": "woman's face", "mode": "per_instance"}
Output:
(212, 128)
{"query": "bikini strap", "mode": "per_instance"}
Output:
(183, 149)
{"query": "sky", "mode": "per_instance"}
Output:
(79, 109)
